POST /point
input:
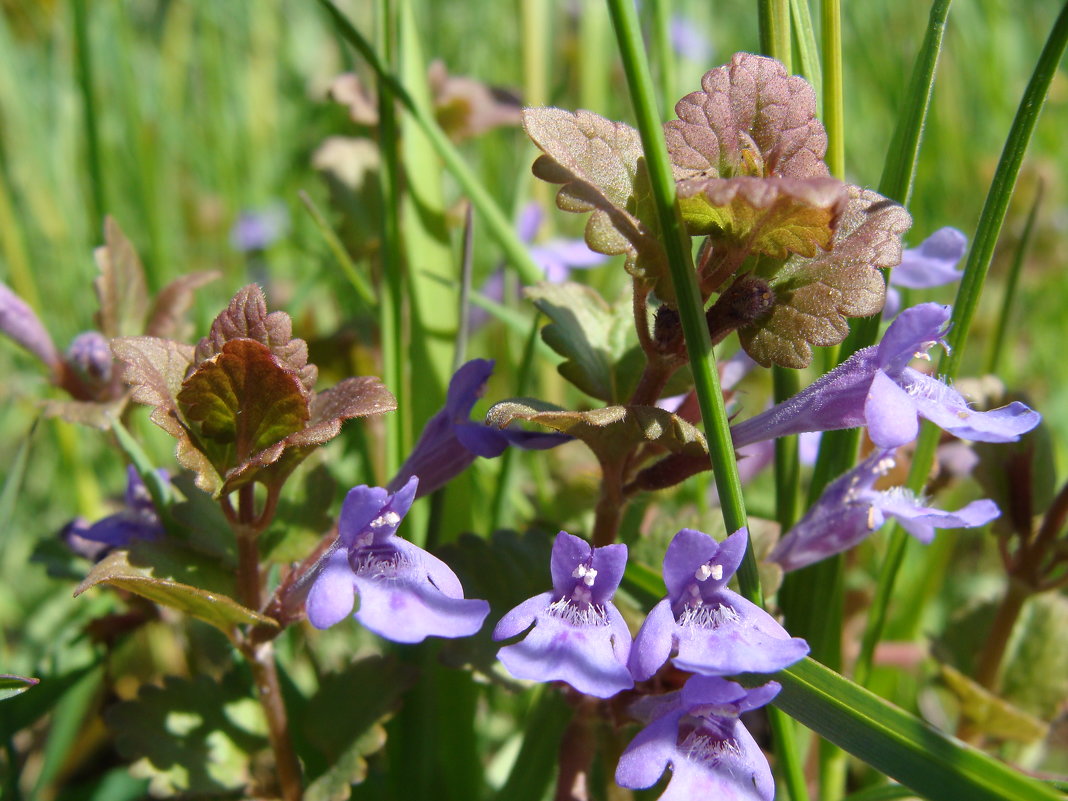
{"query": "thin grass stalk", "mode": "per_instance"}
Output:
(84, 79)
(774, 20)
(804, 38)
(975, 272)
(684, 279)
(833, 97)
(391, 311)
(993, 359)
(497, 224)
(665, 55)
(337, 249)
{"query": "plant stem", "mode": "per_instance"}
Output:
(610, 505)
(684, 281)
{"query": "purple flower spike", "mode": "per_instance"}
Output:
(711, 630)
(579, 637)
(876, 388)
(451, 441)
(19, 322)
(850, 509)
(696, 731)
(406, 594)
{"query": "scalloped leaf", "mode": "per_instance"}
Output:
(774, 216)
(751, 117)
(612, 432)
(241, 402)
(600, 165)
(193, 736)
(246, 318)
(591, 335)
(217, 610)
(341, 724)
(120, 288)
(814, 296)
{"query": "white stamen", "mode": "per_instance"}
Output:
(707, 571)
(871, 517)
(587, 574)
(385, 519)
(579, 614)
(703, 616)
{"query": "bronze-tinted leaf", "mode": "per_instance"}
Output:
(601, 167)
(155, 369)
(774, 216)
(246, 318)
(352, 398)
(814, 296)
(751, 117)
(173, 302)
(242, 401)
(213, 608)
(611, 432)
(120, 287)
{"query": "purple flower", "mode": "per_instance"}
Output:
(876, 388)
(710, 629)
(578, 635)
(406, 594)
(933, 263)
(138, 520)
(19, 322)
(258, 229)
(557, 257)
(850, 509)
(688, 41)
(451, 441)
(696, 731)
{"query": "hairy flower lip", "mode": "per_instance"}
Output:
(406, 594)
(574, 633)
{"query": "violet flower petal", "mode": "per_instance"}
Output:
(890, 413)
(933, 263)
(850, 509)
(578, 635)
(332, 596)
(947, 409)
(712, 630)
(21, 323)
(696, 731)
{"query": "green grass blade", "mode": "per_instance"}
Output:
(497, 223)
(833, 94)
(337, 249)
(993, 359)
(971, 286)
(684, 279)
(896, 743)
(804, 36)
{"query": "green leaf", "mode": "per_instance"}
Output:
(896, 743)
(590, 334)
(11, 685)
(341, 725)
(814, 296)
(213, 608)
(27, 708)
(989, 713)
(243, 400)
(191, 735)
(611, 432)
(504, 570)
(1033, 677)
